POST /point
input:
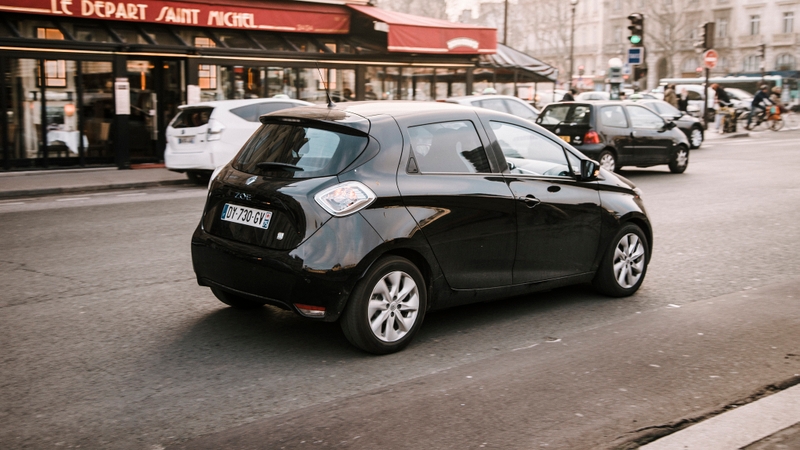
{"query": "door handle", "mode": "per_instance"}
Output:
(530, 201)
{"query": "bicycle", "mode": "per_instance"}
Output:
(769, 117)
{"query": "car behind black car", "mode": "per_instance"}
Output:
(618, 133)
(372, 214)
(691, 126)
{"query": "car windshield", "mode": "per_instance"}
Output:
(571, 114)
(296, 151)
(192, 117)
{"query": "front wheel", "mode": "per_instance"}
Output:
(386, 307)
(775, 124)
(624, 265)
(680, 160)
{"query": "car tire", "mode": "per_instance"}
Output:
(680, 160)
(386, 308)
(696, 136)
(624, 263)
(608, 160)
(235, 301)
(199, 178)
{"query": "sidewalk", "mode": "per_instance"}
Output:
(66, 181)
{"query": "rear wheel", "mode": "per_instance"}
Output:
(235, 301)
(196, 177)
(624, 265)
(607, 160)
(386, 308)
(680, 160)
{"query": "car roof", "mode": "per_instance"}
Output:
(482, 97)
(230, 104)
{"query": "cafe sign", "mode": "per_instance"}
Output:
(252, 15)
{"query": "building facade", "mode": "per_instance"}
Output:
(543, 28)
(86, 82)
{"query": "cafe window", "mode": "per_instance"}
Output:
(207, 74)
(55, 73)
(49, 33)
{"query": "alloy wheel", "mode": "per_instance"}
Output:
(608, 162)
(696, 137)
(629, 260)
(393, 306)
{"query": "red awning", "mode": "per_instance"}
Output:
(415, 34)
(242, 14)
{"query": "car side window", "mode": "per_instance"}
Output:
(613, 116)
(529, 153)
(644, 118)
(494, 104)
(692, 95)
(520, 110)
(448, 147)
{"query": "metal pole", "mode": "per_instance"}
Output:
(505, 23)
(705, 103)
(571, 45)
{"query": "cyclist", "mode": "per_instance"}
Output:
(759, 105)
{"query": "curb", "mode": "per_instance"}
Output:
(99, 188)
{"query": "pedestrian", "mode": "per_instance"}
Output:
(670, 96)
(722, 100)
(622, 95)
(759, 104)
(683, 101)
(569, 96)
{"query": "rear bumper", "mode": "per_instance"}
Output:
(310, 274)
(183, 161)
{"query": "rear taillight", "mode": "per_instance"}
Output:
(591, 137)
(215, 129)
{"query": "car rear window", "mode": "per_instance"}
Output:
(565, 114)
(251, 113)
(192, 117)
(299, 151)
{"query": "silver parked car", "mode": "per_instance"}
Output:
(502, 103)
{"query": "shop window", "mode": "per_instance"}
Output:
(207, 76)
(201, 41)
(161, 36)
(128, 34)
(235, 40)
(270, 42)
(55, 73)
(91, 34)
(49, 33)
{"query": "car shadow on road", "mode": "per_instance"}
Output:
(227, 334)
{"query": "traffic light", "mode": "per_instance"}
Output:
(705, 37)
(637, 29)
(762, 50)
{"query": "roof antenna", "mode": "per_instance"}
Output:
(327, 92)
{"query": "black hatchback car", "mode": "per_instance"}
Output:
(691, 126)
(618, 134)
(372, 214)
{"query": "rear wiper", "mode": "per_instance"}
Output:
(277, 165)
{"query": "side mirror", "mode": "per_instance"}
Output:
(677, 117)
(589, 170)
(669, 125)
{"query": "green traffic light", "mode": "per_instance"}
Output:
(635, 39)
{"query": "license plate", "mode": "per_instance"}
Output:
(186, 140)
(564, 138)
(246, 216)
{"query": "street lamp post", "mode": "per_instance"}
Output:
(573, 3)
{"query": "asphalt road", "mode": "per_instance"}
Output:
(106, 341)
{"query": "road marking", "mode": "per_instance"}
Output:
(71, 199)
(132, 195)
(12, 203)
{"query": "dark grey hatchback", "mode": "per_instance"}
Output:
(618, 134)
(372, 214)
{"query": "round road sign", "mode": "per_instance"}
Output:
(710, 58)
